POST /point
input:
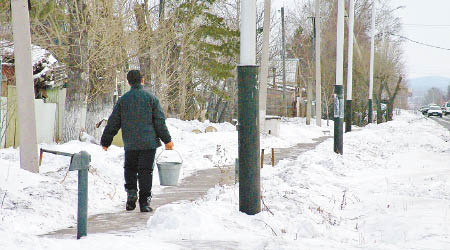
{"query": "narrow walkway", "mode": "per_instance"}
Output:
(293, 152)
(191, 188)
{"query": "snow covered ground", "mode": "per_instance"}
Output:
(390, 190)
(33, 204)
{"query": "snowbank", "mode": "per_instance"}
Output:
(33, 204)
(390, 190)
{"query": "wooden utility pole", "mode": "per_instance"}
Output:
(318, 76)
(348, 103)
(338, 88)
(29, 159)
(264, 71)
(283, 57)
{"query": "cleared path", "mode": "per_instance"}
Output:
(191, 188)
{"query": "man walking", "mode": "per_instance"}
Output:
(140, 116)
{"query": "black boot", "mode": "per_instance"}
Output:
(131, 199)
(144, 205)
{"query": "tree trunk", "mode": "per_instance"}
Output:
(378, 103)
(390, 105)
(76, 103)
(144, 60)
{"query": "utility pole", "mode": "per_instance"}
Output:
(248, 133)
(264, 75)
(348, 103)
(309, 83)
(318, 76)
(372, 51)
(338, 88)
(29, 159)
(161, 10)
(309, 100)
(283, 57)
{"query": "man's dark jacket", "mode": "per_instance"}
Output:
(141, 118)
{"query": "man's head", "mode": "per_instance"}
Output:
(134, 77)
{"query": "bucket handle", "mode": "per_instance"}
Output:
(181, 158)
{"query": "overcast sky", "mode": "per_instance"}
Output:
(426, 21)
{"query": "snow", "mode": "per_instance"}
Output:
(38, 55)
(390, 190)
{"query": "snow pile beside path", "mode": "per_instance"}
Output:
(294, 131)
(390, 190)
(39, 203)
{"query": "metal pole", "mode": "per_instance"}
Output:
(264, 65)
(338, 89)
(372, 51)
(29, 159)
(283, 57)
(248, 109)
(348, 103)
(318, 74)
(82, 203)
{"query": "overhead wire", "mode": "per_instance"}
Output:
(417, 42)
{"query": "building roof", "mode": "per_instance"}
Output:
(43, 61)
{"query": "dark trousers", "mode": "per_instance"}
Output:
(139, 166)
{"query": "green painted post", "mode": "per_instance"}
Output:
(348, 115)
(249, 169)
(370, 115)
(82, 203)
(338, 118)
(80, 162)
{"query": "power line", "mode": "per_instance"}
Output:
(421, 43)
(427, 25)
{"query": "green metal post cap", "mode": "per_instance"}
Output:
(80, 161)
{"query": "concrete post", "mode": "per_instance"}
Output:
(248, 109)
(318, 74)
(338, 89)
(309, 104)
(264, 71)
(372, 52)
(29, 159)
(283, 57)
(348, 103)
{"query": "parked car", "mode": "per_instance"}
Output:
(434, 110)
(446, 108)
(424, 109)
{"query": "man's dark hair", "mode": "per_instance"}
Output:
(134, 77)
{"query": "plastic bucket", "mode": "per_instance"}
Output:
(169, 172)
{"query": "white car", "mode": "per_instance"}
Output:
(434, 110)
(446, 108)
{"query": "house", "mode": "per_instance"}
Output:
(48, 82)
(275, 86)
(47, 71)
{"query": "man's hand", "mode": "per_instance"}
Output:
(105, 148)
(169, 146)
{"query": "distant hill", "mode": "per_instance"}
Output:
(422, 84)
